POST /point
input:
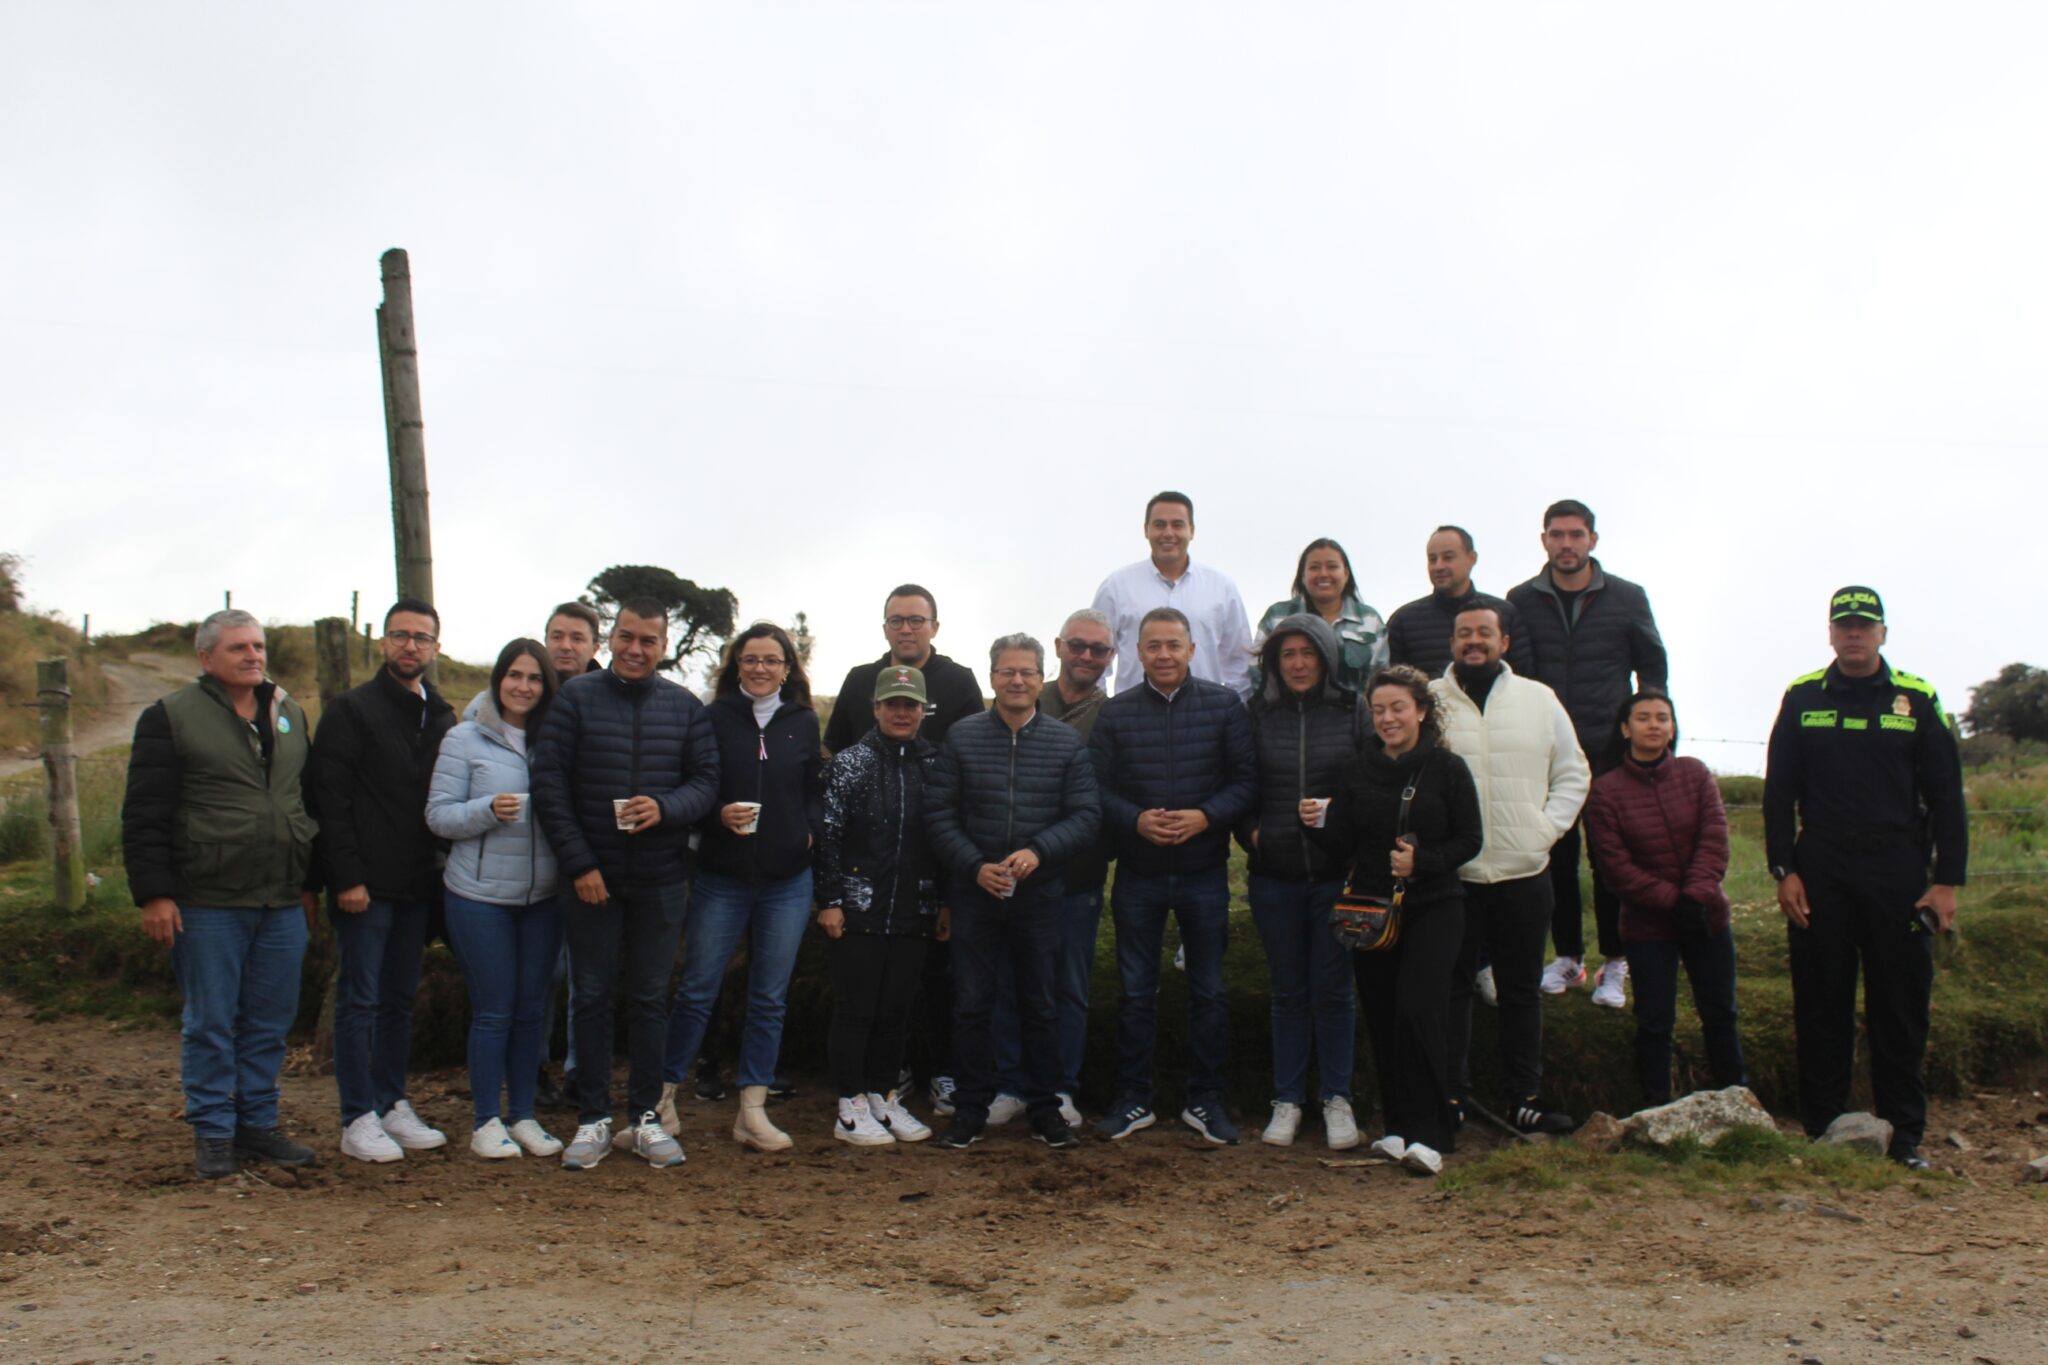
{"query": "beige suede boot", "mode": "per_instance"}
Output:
(752, 1126)
(671, 1122)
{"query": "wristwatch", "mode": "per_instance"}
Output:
(1779, 873)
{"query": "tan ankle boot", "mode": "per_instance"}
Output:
(752, 1126)
(671, 1122)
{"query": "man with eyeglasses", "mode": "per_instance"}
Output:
(1010, 803)
(910, 621)
(1220, 633)
(373, 756)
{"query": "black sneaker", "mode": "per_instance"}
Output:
(548, 1094)
(1052, 1130)
(271, 1145)
(960, 1134)
(214, 1157)
(710, 1085)
(1910, 1158)
(1531, 1117)
(781, 1089)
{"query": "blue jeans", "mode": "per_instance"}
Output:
(1710, 961)
(987, 932)
(1080, 915)
(620, 953)
(508, 956)
(239, 970)
(1311, 979)
(1139, 906)
(771, 917)
(373, 1000)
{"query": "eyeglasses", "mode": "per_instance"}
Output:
(899, 622)
(411, 637)
(1089, 648)
(1012, 674)
(761, 661)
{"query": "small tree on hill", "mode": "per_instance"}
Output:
(800, 634)
(10, 582)
(2013, 704)
(700, 619)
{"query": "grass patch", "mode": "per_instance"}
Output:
(1746, 1160)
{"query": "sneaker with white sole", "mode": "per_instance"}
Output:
(1561, 975)
(1071, 1112)
(592, 1144)
(1484, 987)
(903, 1125)
(1004, 1108)
(365, 1140)
(1207, 1117)
(652, 1144)
(1340, 1126)
(1422, 1160)
(858, 1125)
(1390, 1147)
(410, 1131)
(493, 1143)
(942, 1096)
(1613, 977)
(1285, 1123)
(537, 1140)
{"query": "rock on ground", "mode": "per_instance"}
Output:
(1706, 1116)
(2037, 1170)
(1866, 1132)
(1601, 1132)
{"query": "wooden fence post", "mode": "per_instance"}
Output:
(60, 762)
(330, 650)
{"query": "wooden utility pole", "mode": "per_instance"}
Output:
(405, 430)
(330, 650)
(60, 762)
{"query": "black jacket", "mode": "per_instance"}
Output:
(996, 790)
(951, 690)
(373, 757)
(780, 767)
(874, 862)
(1303, 743)
(605, 739)
(1444, 821)
(1191, 753)
(1587, 660)
(1419, 632)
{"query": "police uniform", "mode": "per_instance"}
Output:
(1869, 766)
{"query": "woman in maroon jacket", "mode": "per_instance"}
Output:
(1661, 838)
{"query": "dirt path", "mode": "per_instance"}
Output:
(1159, 1249)
(132, 684)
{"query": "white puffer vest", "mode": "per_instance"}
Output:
(1525, 758)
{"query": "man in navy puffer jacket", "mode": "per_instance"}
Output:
(1174, 760)
(1009, 805)
(623, 735)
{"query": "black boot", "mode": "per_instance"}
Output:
(213, 1156)
(271, 1145)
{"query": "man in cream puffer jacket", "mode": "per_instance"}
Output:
(1517, 739)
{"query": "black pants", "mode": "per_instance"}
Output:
(1407, 995)
(1510, 918)
(874, 987)
(1567, 916)
(1862, 912)
(930, 1053)
(1025, 929)
(1709, 961)
(621, 954)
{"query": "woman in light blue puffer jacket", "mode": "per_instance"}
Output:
(503, 919)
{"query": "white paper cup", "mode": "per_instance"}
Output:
(520, 797)
(753, 810)
(1322, 805)
(619, 814)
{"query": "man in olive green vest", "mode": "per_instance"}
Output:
(218, 843)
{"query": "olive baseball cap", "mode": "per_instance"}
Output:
(899, 680)
(1856, 601)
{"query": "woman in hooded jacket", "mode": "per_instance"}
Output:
(504, 922)
(1657, 826)
(1305, 727)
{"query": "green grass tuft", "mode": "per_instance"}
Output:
(1748, 1159)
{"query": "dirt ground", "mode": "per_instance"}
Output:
(1155, 1249)
(130, 687)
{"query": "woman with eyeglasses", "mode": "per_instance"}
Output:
(753, 880)
(1323, 586)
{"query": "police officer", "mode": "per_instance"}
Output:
(1867, 757)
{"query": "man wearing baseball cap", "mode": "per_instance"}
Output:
(1863, 786)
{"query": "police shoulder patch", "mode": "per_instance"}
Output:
(1805, 678)
(1912, 682)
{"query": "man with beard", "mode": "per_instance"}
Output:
(572, 636)
(373, 758)
(1419, 632)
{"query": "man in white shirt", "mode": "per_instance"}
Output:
(1221, 631)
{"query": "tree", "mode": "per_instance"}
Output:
(10, 582)
(2013, 704)
(800, 635)
(700, 619)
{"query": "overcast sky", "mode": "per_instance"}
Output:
(807, 299)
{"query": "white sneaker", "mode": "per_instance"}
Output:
(1390, 1147)
(1562, 974)
(492, 1143)
(1284, 1124)
(1070, 1112)
(535, 1139)
(652, 1144)
(903, 1125)
(1338, 1124)
(365, 1140)
(1422, 1160)
(1003, 1109)
(410, 1131)
(942, 1096)
(1609, 992)
(1482, 984)
(857, 1124)
(592, 1144)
